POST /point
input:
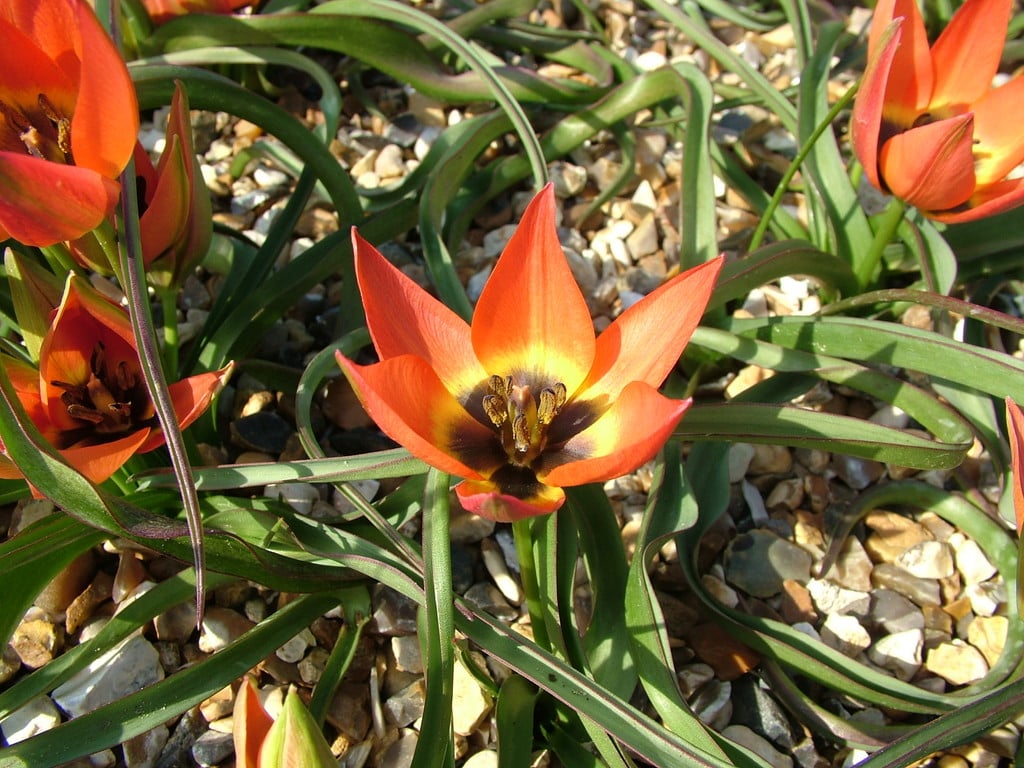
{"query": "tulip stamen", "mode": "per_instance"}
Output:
(522, 419)
(60, 122)
(106, 399)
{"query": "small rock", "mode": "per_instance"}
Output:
(265, 432)
(692, 677)
(853, 567)
(293, 650)
(985, 598)
(10, 663)
(956, 662)
(721, 651)
(856, 472)
(298, 496)
(219, 705)
(312, 666)
(894, 612)
(830, 598)
(176, 624)
(754, 708)
(928, 560)
(973, 564)
(740, 456)
(349, 711)
(36, 642)
(900, 653)
(488, 597)
(713, 705)
(988, 635)
(494, 561)
(400, 753)
(484, 759)
(787, 493)
(221, 626)
(721, 591)
(407, 705)
(892, 535)
(470, 702)
(467, 528)
(212, 748)
(36, 716)
(67, 585)
(126, 668)
(921, 591)
(845, 634)
(771, 460)
(568, 179)
(407, 654)
(759, 561)
(394, 613)
(796, 604)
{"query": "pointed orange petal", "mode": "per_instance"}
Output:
(250, 724)
(532, 322)
(493, 501)
(1015, 426)
(190, 398)
(25, 380)
(410, 404)
(866, 121)
(909, 81)
(42, 203)
(163, 222)
(932, 166)
(105, 123)
(403, 319)
(999, 141)
(986, 201)
(967, 53)
(627, 435)
(645, 341)
(29, 71)
(98, 462)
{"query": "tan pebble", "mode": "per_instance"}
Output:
(37, 642)
(494, 561)
(82, 607)
(892, 534)
(956, 662)
(988, 635)
(67, 585)
(218, 705)
(796, 603)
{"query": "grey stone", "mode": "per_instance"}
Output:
(394, 613)
(143, 751)
(406, 706)
(265, 431)
(212, 748)
(126, 668)
(900, 653)
(758, 745)
(921, 591)
(830, 598)
(488, 598)
(754, 707)
(894, 612)
(757, 562)
(37, 715)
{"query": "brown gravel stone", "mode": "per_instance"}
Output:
(721, 651)
(37, 641)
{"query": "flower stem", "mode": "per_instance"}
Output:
(522, 532)
(169, 303)
(888, 222)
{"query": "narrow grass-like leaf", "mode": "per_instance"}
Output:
(357, 610)
(513, 720)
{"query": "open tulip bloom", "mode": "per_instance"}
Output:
(927, 125)
(526, 400)
(88, 397)
(68, 120)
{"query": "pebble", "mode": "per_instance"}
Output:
(770, 460)
(406, 706)
(928, 560)
(713, 705)
(921, 591)
(985, 598)
(892, 534)
(830, 598)
(10, 663)
(483, 759)
(845, 634)
(973, 564)
(488, 597)
(266, 432)
(956, 662)
(900, 653)
(299, 496)
(311, 667)
(467, 528)
(740, 456)
(295, 648)
(754, 707)
(349, 711)
(758, 561)
(36, 716)
(988, 635)
(893, 612)
(405, 650)
(394, 613)
(212, 748)
(470, 702)
(856, 472)
(221, 626)
(853, 567)
(400, 753)
(494, 561)
(37, 641)
(692, 677)
(126, 668)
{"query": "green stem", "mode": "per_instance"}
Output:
(888, 222)
(169, 304)
(522, 532)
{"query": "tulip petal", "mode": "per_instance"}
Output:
(403, 319)
(909, 80)
(627, 434)
(250, 724)
(42, 203)
(28, 72)
(532, 322)
(506, 502)
(105, 125)
(931, 166)
(163, 222)
(1015, 427)
(100, 461)
(411, 405)
(986, 201)
(999, 141)
(967, 54)
(866, 120)
(645, 341)
(190, 398)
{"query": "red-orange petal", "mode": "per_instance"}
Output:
(162, 224)
(645, 341)
(631, 432)
(999, 140)
(532, 322)
(28, 71)
(105, 125)
(250, 725)
(42, 203)
(986, 201)
(411, 405)
(487, 499)
(931, 166)
(190, 398)
(403, 319)
(866, 120)
(98, 462)
(1015, 426)
(910, 79)
(967, 53)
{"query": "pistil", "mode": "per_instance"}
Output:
(521, 418)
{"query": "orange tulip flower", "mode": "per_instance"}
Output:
(88, 397)
(68, 120)
(526, 400)
(162, 11)
(1015, 426)
(927, 124)
(175, 217)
